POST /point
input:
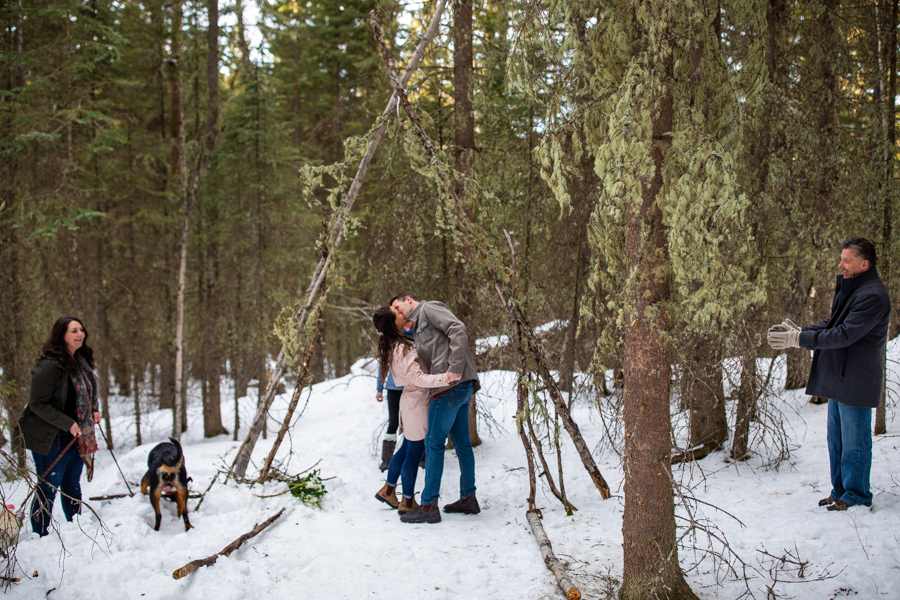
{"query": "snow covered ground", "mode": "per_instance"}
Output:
(356, 547)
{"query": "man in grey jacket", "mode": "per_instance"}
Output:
(847, 368)
(441, 342)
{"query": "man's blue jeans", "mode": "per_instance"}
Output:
(405, 466)
(65, 476)
(850, 452)
(449, 415)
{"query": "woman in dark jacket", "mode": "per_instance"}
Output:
(57, 425)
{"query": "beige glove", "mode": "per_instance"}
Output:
(783, 336)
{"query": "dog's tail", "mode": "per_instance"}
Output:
(178, 448)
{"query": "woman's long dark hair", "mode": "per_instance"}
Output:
(388, 336)
(55, 347)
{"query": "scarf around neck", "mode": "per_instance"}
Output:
(85, 402)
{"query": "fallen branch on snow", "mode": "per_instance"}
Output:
(117, 496)
(211, 560)
(556, 567)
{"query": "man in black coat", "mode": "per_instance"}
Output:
(847, 368)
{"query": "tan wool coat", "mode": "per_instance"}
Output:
(409, 371)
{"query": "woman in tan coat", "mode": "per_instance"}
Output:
(397, 355)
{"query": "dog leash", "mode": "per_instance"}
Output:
(109, 446)
(61, 454)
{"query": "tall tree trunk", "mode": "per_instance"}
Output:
(212, 401)
(69, 182)
(100, 341)
(464, 147)
(651, 568)
(134, 364)
(212, 65)
(178, 172)
(887, 56)
(15, 372)
(212, 348)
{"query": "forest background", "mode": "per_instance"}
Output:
(689, 168)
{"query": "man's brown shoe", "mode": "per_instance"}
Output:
(387, 495)
(826, 501)
(407, 505)
(839, 505)
(466, 506)
(427, 513)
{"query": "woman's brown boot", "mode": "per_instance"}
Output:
(387, 495)
(407, 505)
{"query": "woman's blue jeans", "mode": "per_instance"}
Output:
(449, 416)
(65, 476)
(850, 452)
(405, 465)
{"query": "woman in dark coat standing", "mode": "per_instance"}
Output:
(57, 425)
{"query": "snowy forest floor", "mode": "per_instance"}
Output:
(356, 547)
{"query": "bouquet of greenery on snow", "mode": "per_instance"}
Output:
(309, 488)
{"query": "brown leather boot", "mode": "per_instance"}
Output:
(426, 513)
(387, 495)
(407, 505)
(466, 506)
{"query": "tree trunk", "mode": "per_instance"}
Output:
(100, 339)
(746, 407)
(706, 396)
(11, 302)
(134, 365)
(464, 146)
(799, 363)
(567, 366)
(69, 183)
(212, 351)
(178, 171)
(887, 37)
(212, 348)
(651, 568)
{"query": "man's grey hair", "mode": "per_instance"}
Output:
(863, 248)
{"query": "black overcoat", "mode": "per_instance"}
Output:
(848, 362)
(44, 416)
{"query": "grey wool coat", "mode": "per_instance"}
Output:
(848, 358)
(442, 342)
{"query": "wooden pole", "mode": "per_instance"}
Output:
(239, 467)
(302, 382)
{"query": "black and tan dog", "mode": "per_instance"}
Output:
(167, 475)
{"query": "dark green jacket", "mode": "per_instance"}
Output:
(44, 416)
